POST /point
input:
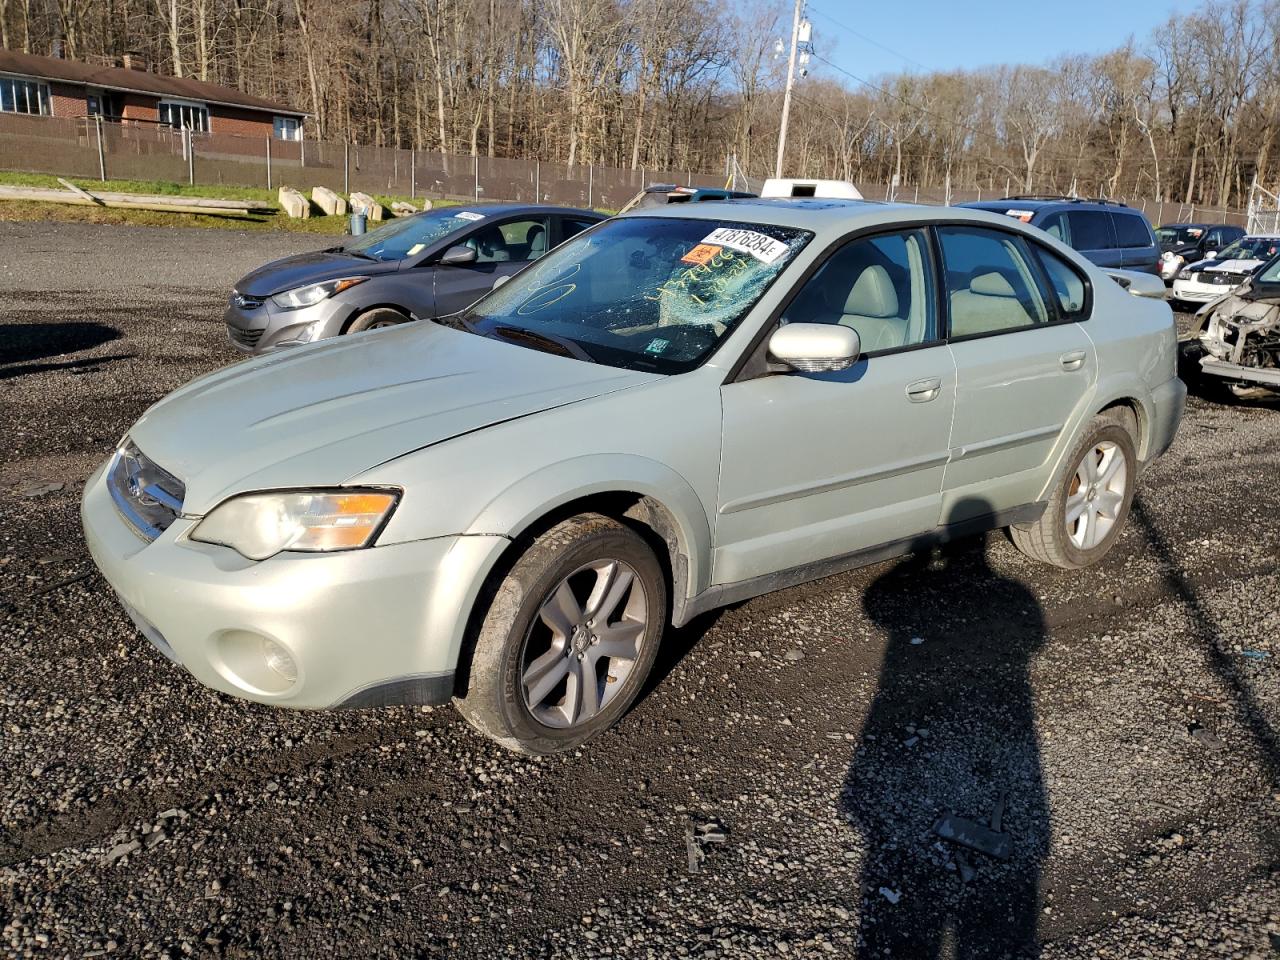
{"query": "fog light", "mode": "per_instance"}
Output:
(278, 659)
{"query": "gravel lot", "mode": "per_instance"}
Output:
(825, 728)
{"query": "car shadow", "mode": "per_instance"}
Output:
(1212, 641)
(24, 342)
(951, 733)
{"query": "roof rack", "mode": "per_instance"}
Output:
(1063, 199)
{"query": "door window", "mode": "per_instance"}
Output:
(991, 285)
(880, 286)
(1068, 286)
(1132, 230)
(571, 228)
(1090, 230)
(516, 241)
(1055, 225)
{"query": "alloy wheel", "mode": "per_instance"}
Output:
(1096, 494)
(583, 643)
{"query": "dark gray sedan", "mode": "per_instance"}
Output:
(428, 265)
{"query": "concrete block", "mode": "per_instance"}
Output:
(328, 201)
(426, 204)
(402, 209)
(371, 207)
(294, 203)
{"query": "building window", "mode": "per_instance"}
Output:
(185, 116)
(288, 128)
(24, 96)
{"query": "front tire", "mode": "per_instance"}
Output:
(376, 319)
(568, 639)
(1091, 497)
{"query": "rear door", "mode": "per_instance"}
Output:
(1093, 235)
(502, 249)
(1023, 364)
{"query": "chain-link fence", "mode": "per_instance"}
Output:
(145, 151)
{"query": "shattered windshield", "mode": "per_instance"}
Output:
(409, 236)
(645, 293)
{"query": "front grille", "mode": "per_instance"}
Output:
(148, 497)
(246, 338)
(1223, 279)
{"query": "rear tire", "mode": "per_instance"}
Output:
(1091, 496)
(376, 319)
(569, 638)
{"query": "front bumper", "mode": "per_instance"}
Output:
(365, 627)
(1265, 376)
(1196, 292)
(263, 328)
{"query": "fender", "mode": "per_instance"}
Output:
(1110, 389)
(524, 502)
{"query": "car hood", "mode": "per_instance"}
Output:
(305, 268)
(1230, 266)
(318, 415)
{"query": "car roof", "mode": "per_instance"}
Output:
(503, 209)
(819, 214)
(1042, 203)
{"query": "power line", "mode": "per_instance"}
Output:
(862, 36)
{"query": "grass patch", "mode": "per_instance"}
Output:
(27, 210)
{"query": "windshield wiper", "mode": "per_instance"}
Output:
(359, 253)
(456, 321)
(544, 342)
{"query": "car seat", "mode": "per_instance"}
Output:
(535, 241)
(990, 303)
(871, 308)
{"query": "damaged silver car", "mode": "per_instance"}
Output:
(1238, 336)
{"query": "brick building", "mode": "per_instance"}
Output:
(52, 86)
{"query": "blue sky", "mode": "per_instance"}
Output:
(951, 34)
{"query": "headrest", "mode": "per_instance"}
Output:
(991, 284)
(873, 295)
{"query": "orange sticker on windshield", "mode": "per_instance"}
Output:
(701, 254)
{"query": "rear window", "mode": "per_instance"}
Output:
(1090, 230)
(1132, 230)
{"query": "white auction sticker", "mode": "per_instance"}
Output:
(765, 249)
(468, 215)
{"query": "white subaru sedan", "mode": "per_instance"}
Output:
(676, 410)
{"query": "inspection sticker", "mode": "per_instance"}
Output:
(700, 254)
(468, 215)
(416, 248)
(765, 249)
(1023, 215)
(657, 345)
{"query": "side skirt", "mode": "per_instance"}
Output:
(722, 595)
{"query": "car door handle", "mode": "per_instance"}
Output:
(922, 391)
(1073, 360)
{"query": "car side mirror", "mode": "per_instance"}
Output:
(458, 256)
(814, 347)
(1210, 254)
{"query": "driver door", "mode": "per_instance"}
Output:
(816, 466)
(502, 249)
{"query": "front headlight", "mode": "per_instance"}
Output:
(313, 293)
(260, 525)
(1185, 273)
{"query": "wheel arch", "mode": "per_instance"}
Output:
(642, 492)
(359, 310)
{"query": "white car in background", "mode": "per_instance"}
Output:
(1210, 279)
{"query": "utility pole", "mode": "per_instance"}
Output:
(791, 81)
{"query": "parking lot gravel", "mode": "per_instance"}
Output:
(775, 793)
